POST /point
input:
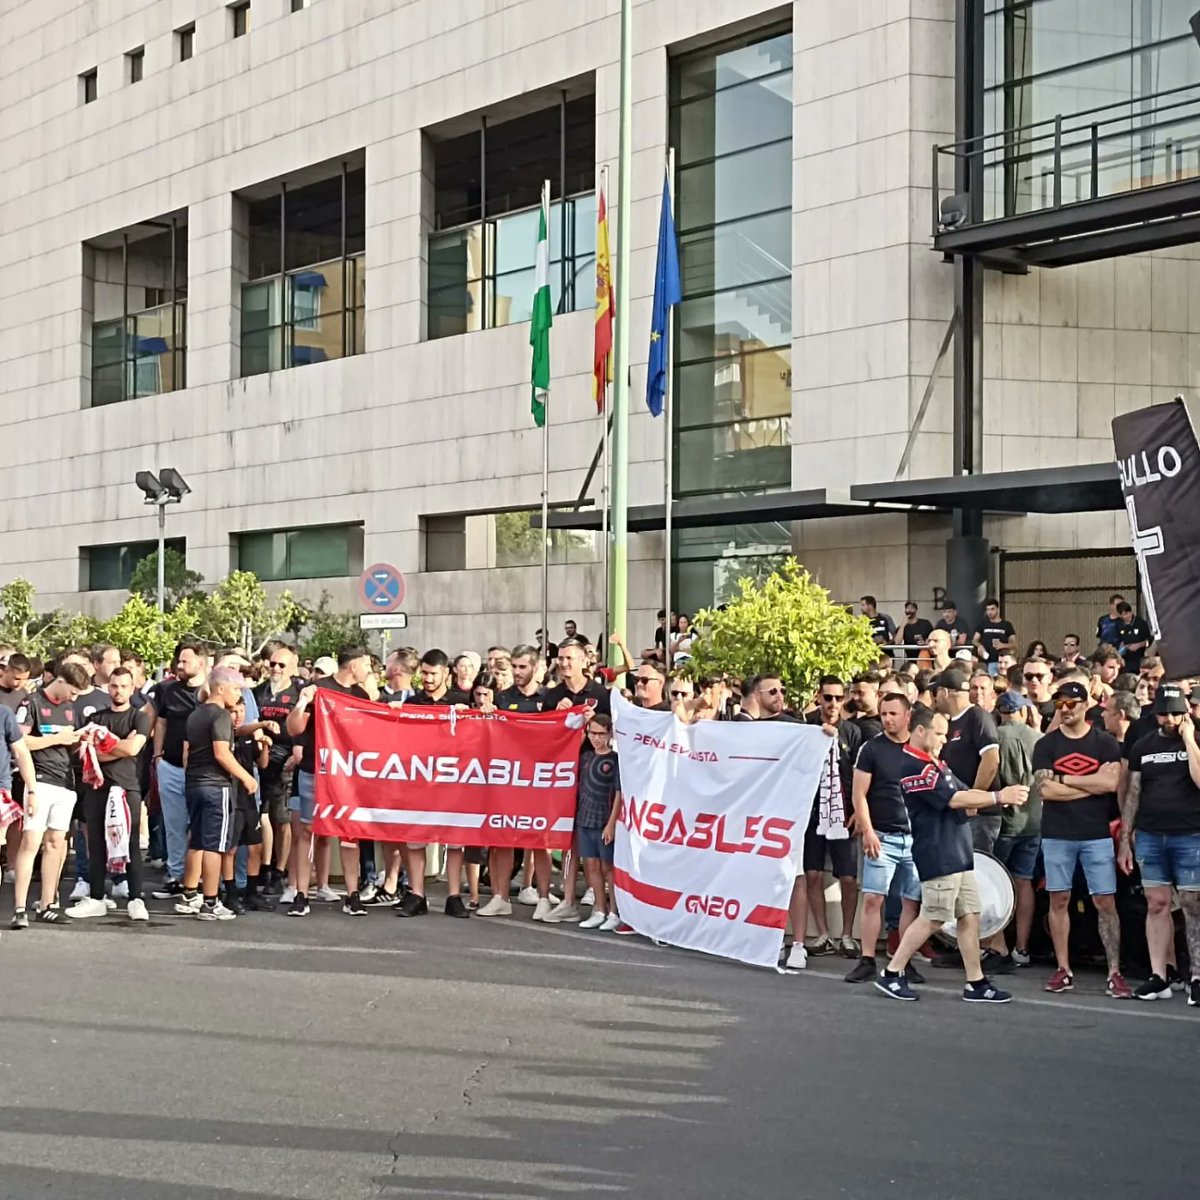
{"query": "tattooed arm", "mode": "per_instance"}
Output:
(1129, 809)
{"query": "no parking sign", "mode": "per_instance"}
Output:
(381, 588)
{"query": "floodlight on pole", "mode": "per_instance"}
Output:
(167, 487)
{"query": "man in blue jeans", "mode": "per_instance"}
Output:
(881, 817)
(171, 703)
(1075, 772)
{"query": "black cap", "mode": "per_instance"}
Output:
(1071, 690)
(949, 604)
(952, 681)
(1169, 699)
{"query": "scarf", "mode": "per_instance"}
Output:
(831, 803)
(96, 740)
(116, 830)
(10, 810)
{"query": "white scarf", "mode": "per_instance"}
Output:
(116, 830)
(831, 803)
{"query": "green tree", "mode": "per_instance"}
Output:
(786, 623)
(136, 628)
(20, 624)
(178, 582)
(326, 630)
(239, 613)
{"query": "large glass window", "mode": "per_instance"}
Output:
(315, 552)
(1050, 58)
(731, 123)
(710, 561)
(487, 187)
(110, 568)
(472, 541)
(314, 309)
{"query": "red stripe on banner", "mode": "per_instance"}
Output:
(768, 917)
(647, 893)
(752, 758)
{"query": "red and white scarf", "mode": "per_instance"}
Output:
(116, 830)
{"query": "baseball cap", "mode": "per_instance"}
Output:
(952, 681)
(326, 665)
(226, 675)
(1071, 690)
(964, 655)
(1169, 699)
(948, 604)
(1011, 702)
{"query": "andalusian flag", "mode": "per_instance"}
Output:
(539, 328)
(602, 364)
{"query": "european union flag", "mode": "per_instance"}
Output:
(666, 296)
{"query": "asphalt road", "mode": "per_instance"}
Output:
(339, 1059)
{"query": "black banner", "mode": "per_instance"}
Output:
(1159, 460)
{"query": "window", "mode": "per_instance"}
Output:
(472, 541)
(487, 187)
(731, 122)
(135, 62)
(709, 562)
(315, 310)
(110, 568)
(240, 18)
(299, 5)
(185, 41)
(316, 552)
(88, 85)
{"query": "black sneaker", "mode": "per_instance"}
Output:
(1177, 981)
(1155, 988)
(353, 906)
(20, 920)
(382, 899)
(985, 992)
(299, 907)
(456, 907)
(863, 971)
(235, 904)
(259, 902)
(412, 906)
(913, 973)
(895, 987)
(1194, 994)
(49, 915)
(995, 963)
(170, 889)
(273, 887)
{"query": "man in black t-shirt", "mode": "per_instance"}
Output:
(525, 695)
(119, 768)
(945, 859)
(914, 631)
(864, 703)
(883, 628)
(14, 675)
(1133, 637)
(276, 696)
(171, 702)
(953, 624)
(1076, 769)
(972, 748)
(575, 687)
(994, 635)
(1038, 678)
(353, 667)
(881, 818)
(1162, 802)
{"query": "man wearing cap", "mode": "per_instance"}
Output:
(1020, 840)
(972, 748)
(1076, 771)
(953, 624)
(1162, 804)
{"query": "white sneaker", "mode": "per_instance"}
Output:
(188, 906)
(326, 893)
(368, 893)
(594, 921)
(110, 904)
(543, 909)
(10, 876)
(797, 958)
(82, 891)
(589, 897)
(288, 895)
(528, 896)
(497, 906)
(121, 890)
(217, 913)
(560, 913)
(87, 907)
(610, 923)
(136, 910)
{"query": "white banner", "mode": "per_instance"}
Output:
(711, 830)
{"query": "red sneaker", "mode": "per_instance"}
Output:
(929, 952)
(893, 941)
(1117, 988)
(624, 930)
(1061, 981)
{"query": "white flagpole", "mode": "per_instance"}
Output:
(669, 440)
(604, 526)
(546, 476)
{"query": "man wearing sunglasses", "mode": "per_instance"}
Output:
(1076, 769)
(772, 700)
(1037, 675)
(914, 631)
(277, 695)
(649, 687)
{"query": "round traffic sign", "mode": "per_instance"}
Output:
(381, 588)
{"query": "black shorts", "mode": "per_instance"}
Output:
(247, 827)
(210, 809)
(273, 792)
(842, 853)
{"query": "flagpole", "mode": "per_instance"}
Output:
(620, 436)
(604, 486)
(546, 479)
(669, 441)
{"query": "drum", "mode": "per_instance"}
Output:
(997, 896)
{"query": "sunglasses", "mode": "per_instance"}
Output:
(679, 695)
(1067, 704)
(829, 698)
(772, 691)
(643, 679)
(1035, 678)
(277, 664)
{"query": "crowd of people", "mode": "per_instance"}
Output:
(1072, 769)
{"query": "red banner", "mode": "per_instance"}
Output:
(435, 774)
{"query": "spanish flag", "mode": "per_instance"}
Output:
(602, 358)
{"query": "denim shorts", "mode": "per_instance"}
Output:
(1169, 858)
(1019, 854)
(590, 844)
(895, 856)
(1097, 856)
(304, 801)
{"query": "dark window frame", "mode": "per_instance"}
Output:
(185, 42)
(354, 531)
(135, 65)
(89, 85)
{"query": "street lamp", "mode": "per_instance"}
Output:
(167, 487)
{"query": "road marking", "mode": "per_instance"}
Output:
(1115, 1009)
